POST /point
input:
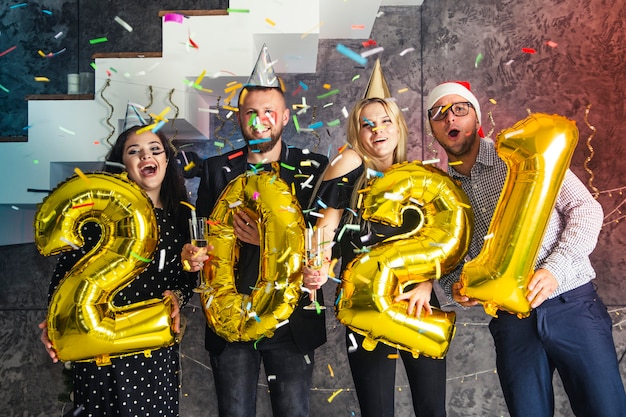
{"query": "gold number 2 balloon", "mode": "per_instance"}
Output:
(83, 322)
(434, 247)
(241, 317)
(537, 151)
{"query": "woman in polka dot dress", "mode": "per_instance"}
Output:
(137, 385)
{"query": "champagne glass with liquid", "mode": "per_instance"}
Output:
(199, 231)
(314, 252)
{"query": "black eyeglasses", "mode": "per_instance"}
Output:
(458, 109)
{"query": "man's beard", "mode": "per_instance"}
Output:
(466, 146)
(265, 146)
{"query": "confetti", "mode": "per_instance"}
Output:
(334, 394)
(453, 163)
(83, 205)
(229, 10)
(478, 60)
(353, 347)
(308, 32)
(161, 259)
(98, 40)
(528, 50)
(173, 17)
(69, 243)
(349, 53)
(403, 90)
(372, 51)
(332, 123)
(406, 51)
(337, 158)
(123, 24)
(330, 371)
(270, 22)
(282, 323)
(552, 44)
(489, 236)
(8, 50)
(42, 79)
(141, 258)
(493, 101)
(330, 93)
(69, 132)
(358, 27)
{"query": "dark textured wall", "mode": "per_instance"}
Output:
(586, 67)
(36, 26)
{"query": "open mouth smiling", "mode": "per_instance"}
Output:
(148, 170)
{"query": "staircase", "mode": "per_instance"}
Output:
(212, 48)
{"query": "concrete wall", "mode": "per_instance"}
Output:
(478, 41)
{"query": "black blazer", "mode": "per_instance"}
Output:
(306, 327)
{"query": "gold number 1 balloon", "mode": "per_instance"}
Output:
(537, 151)
(83, 323)
(433, 247)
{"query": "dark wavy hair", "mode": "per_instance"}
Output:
(173, 189)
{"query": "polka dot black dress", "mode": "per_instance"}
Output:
(134, 385)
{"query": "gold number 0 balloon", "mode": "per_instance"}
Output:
(434, 247)
(241, 317)
(537, 151)
(83, 323)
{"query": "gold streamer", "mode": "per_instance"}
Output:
(145, 109)
(220, 126)
(493, 124)
(596, 192)
(175, 117)
(431, 147)
(108, 120)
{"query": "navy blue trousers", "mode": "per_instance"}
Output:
(571, 334)
(236, 375)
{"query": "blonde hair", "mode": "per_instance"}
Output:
(354, 128)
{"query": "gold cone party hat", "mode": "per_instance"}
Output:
(263, 74)
(377, 86)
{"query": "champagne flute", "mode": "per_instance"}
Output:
(314, 260)
(198, 230)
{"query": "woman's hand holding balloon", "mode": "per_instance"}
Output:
(46, 341)
(418, 299)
